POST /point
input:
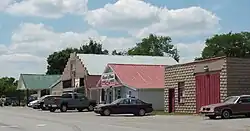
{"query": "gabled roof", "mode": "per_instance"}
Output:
(38, 81)
(96, 64)
(140, 76)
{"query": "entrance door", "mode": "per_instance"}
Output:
(171, 100)
(207, 89)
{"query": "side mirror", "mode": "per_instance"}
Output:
(239, 102)
(118, 104)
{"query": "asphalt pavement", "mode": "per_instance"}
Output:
(26, 119)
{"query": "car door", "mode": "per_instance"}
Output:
(76, 101)
(84, 102)
(122, 107)
(243, 105)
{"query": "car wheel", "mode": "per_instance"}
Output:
(248, 115)
(226, 114)
(106, 112)
(52, 109)
(141, 112)
(212, 117)
(90, 108)
(63, 108)
(80, 109)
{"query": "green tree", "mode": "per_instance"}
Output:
(57, 60)
(115, 52)
(155, 46)
(229, 44)
(8, 85)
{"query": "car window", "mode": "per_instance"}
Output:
(125, 101)
(245, 99)
(66, 96)
(76, 96)
(81, 96)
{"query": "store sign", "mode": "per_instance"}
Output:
(108, 79)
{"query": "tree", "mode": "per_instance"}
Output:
(114, 52)
(93, 48)
(230, 44)
(155, 46)
(57, 60)
(8, 85)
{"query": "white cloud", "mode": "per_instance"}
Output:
(32, 43)
(4, 4)
(140, 18)
(189, 51)
(48, 8)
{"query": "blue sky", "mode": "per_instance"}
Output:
(30, 24)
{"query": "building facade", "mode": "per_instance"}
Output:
(192, 85)
(145, 82)
(85, 70)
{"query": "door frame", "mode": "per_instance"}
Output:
(171, 100)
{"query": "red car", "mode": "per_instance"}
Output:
(234, 105)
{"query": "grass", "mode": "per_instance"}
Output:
(166, 113)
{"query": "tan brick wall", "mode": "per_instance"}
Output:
(238, 70)
(176, 74)
(80, 69)
(185, 72)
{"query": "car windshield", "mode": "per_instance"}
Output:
(231, 99)
(117, 101)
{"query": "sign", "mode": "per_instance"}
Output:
(108, 79)
(77, 82)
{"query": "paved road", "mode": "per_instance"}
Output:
(25, 119)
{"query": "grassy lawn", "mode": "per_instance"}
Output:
(166, 113)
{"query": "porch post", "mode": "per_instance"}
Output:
(100, 95)
(113, 93)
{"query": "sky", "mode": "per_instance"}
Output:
(30, 30)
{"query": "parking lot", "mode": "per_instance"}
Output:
(26, 119)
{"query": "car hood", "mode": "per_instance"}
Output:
(216, 105)
(33, 102)
(103, 105)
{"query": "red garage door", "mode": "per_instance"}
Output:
(207, 89)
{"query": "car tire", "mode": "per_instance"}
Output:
(226, 114)
(80, 109)
(212, 117)
(141, 112)
(90, 108)
(52, 109)
(247, 115)
(64, 108)
(106, 112)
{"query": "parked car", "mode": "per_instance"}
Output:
(33, 104)
(71, 101)
(43, 101)
(124, 106)
(234, 105)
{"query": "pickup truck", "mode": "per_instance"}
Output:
(71, 101)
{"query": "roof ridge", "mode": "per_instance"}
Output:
(41, 74)
(124, 55)
(137, 64)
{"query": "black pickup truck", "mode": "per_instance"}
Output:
(71, 101)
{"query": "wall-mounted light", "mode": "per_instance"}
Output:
(206, 69)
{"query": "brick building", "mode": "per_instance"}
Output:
(191, 85)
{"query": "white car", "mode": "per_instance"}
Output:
(32, 103)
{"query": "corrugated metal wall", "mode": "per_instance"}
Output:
(207, 89)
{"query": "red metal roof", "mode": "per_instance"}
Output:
(140, 76)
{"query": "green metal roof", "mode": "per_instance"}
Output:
(38, 81)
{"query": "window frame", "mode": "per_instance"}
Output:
(181, 92)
